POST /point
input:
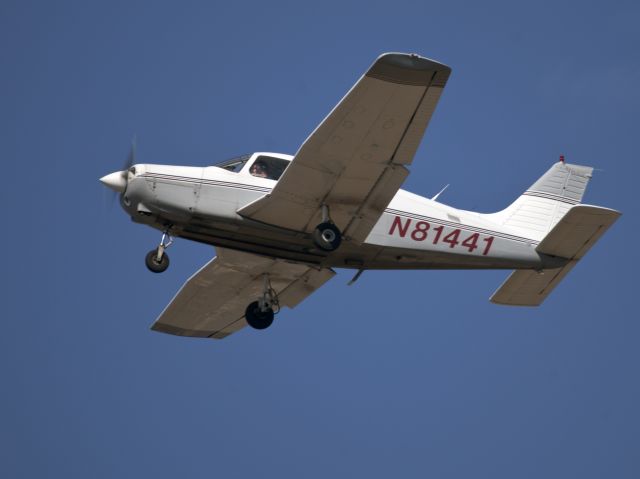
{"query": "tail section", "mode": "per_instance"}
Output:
(546, 202)
(570, 238)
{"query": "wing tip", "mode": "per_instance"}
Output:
(178, 331)
(410, 69)
(411, 61)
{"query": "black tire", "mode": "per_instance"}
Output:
(151, 260)
(327, 236)
(258, 319)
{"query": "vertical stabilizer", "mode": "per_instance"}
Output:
(540, 208)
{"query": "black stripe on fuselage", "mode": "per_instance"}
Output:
(551, 196)
(204, 181)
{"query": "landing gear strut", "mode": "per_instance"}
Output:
(259, 314)
(157, 260)
(327, 236)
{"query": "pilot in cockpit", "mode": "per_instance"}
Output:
(259, 169)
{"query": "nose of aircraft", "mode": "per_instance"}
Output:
(117, 181)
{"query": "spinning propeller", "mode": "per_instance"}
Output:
(117, 180)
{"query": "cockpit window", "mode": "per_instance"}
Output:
(268, 167)
(234, 164)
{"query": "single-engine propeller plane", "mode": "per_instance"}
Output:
(280, 223)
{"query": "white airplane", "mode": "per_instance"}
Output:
(280, 223)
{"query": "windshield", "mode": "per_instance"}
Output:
(234, 164)
(268, 167)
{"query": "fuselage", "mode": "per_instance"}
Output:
(201, 204)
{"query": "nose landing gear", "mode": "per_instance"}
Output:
(157, 260)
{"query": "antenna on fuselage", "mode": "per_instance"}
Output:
(439, 193)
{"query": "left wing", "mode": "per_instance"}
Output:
(212, 303)
(354, 162)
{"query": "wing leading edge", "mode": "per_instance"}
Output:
(212, 303)
(354, 161)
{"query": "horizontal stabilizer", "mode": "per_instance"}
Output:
(570, 238)
(527, 287)
(577, 231)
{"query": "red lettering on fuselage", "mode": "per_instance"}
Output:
(402, 230)
(452, 236)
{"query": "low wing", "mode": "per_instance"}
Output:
(212, 303)
(354, 162)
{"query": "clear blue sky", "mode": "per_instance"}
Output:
(405, 374)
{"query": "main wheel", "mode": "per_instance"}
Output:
(151, 260)
(258, 319)
(327, 236)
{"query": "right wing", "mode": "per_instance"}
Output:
(212, 303)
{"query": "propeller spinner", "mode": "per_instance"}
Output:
(117, 180)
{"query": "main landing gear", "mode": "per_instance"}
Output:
(259, 314)
(327, 236)
(157, 260)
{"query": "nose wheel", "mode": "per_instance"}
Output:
(157, 260)
(155, 265)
